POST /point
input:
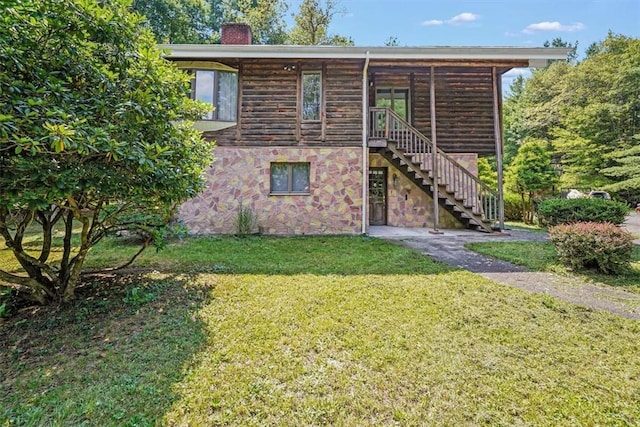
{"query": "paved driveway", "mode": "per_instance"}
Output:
(632, 224)
(448, 247)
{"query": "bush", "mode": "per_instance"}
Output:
(512, 207)
(603, 246)
(563, 211)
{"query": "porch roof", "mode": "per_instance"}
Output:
(533, 56)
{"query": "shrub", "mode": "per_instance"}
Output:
(512, 207)
(603, 246)
(563, 211)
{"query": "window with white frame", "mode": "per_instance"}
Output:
(287, 178)
(311, 95)
(219, 89)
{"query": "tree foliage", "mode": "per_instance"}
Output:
(531, 174)
(176, 21)
(585, 111)
(87, 144)
(312, 24)
(627, 168)
(266, 18)
(200, 21)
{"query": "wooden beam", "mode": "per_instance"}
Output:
(239, 106)
(299, 102)
(434, 154)
(498, 136)
(323, 102)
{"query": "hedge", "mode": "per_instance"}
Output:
(564, 211)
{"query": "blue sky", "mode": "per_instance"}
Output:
(485, 22)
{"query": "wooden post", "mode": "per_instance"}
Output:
(497, 129)
(323, 108)
(434, 152)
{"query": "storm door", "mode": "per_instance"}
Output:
(378, 196)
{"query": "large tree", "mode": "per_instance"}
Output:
(266, 17)
(93, 136)
(602, 113)
(312, 24)
(585, 111)
(626, 170)
(531, 175)
(176, 21)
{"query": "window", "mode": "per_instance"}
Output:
(311, 95)
(289, 178)
(395, 98)
(218, 89)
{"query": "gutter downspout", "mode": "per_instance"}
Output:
(365, 150)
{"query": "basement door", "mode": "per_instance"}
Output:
(378, 196)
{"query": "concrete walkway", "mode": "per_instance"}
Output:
(448, 247)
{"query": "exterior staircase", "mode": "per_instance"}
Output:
(459, 191)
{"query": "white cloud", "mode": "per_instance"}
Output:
(463, 18)
(432, 23)
(553, 26)
(515, 72)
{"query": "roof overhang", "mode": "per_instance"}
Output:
(534, 56)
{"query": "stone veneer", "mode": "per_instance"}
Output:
(242, 175)
(407, 204)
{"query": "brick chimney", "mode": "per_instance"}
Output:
(235, 33)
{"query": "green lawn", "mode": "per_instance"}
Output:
(541, 256)
(312, 331)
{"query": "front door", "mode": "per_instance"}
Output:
(377, 196)
(395, 98)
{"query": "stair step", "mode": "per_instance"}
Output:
(412, 166)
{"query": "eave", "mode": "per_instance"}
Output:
(532, 56)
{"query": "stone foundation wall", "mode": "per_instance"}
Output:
(407, 204)
(241, 175)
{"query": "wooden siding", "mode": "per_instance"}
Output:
(269, 109)
(464, 110)
(464, 105)
(270, 106)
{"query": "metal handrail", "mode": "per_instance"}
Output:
(384, 123)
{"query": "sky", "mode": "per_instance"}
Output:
(485, 22)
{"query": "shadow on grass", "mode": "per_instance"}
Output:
(110, 358)
(114, 356)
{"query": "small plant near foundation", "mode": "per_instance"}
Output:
(246, 221)
(602, 246)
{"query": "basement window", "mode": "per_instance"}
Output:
(289, 178)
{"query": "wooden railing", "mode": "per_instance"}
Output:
(385, 124)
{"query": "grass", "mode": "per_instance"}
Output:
(519, 225)
(541, 256)
(344, 331)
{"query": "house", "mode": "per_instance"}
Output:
(331, 140)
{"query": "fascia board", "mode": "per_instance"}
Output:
(534, 55)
